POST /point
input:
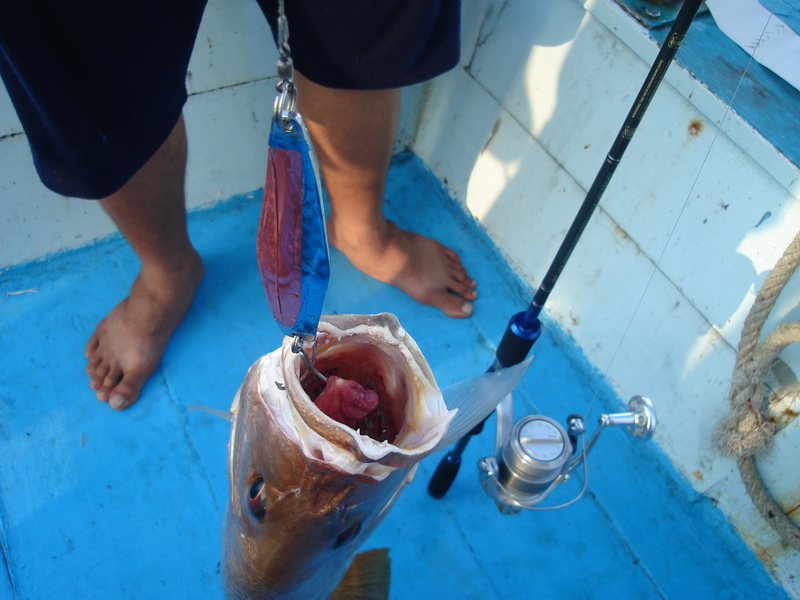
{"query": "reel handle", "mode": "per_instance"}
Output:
(641, 420)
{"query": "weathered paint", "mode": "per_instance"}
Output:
(698, 212)
(97, 503)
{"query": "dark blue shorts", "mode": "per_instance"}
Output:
(98, 85)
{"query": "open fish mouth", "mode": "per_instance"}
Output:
(368, 366)
(378, 355)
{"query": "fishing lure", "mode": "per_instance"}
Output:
(292, 244)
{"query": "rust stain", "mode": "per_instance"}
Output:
(784, 417)
(695, 127)
(621, 232)
(765, 556)
(699, 475)
(768, 555)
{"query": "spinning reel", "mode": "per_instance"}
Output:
(537, 454)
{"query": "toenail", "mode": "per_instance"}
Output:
(117, 401)
(466, 308)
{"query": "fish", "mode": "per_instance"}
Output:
(315, 465)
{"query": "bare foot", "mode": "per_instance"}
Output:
(127, 345)
(426, 270)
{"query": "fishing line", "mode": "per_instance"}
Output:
(525, 328)
(584, 485)
(718, 130)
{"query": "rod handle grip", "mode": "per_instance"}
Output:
(444, 475)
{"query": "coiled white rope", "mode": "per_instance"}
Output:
(748, 431)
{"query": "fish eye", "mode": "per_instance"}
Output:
(256, 498)
(348, 535)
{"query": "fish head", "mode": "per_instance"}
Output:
(306, 490)
(292, 521)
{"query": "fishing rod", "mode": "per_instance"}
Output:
(524, 328)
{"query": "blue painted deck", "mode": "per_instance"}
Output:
(100, 504)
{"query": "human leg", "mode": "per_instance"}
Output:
(353, 133)
(127, 345)
(97, 107)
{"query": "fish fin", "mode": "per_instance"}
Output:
(476, 398)
(367, 578)
(222, 414)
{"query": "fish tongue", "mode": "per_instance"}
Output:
(346, 401)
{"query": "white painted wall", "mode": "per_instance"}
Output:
(232, 87)
(658, 288)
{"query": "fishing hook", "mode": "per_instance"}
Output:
(299, 348)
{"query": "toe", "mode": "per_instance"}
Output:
(452, 255)
(104, 380)
(95, 361)
(127, 391)
(462, 289)
(100, 371)
(462, 284)
(119, 402)
(112, 378)
(451, 305)
(460, 274)
(91, 345)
